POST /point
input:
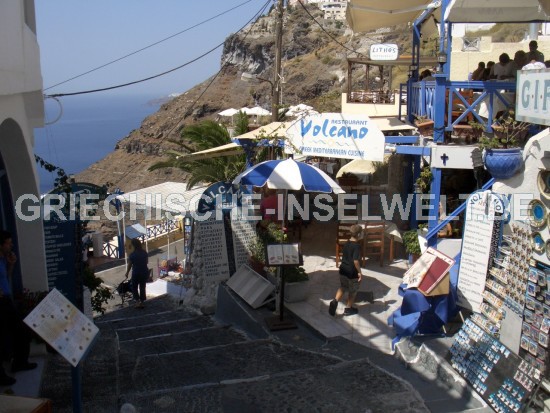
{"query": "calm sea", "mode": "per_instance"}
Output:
(88, 130)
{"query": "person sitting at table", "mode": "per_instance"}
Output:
(478, 73)
(503, 69)
(533, 53)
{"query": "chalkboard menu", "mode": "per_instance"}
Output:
(61, 258)
(211, 234)
(244, 232)
(502, 378)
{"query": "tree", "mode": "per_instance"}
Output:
(201, 136)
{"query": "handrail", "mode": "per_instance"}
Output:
(455, 213)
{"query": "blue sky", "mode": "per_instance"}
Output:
(76, 36)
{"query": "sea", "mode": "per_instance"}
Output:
(84, 129)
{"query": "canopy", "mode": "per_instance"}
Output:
(172, 197)
(270, 130)
(228, 112)
(492, 11)
(368, 15)
(256, 110)
(357, 167)
(223, 150)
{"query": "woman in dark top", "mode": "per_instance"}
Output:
(350, 272)
(137, 262)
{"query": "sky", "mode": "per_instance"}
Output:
(77, 36)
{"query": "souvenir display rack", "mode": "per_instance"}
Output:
(502, 378)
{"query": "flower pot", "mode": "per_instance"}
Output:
(425, 128)
(503, 163)
(297, 291)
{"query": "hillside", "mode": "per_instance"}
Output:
(314, 70)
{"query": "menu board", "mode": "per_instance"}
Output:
(62, 326)
(284, 254)
(476, 247)
(61, 256)
(243, 232)
(211, 234)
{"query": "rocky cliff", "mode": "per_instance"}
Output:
(314, 71)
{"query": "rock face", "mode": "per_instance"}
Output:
(314, 71)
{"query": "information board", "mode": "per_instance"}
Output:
(243, 232)
(62, 326)
(477, 244)
(211, 234)
(61, 256)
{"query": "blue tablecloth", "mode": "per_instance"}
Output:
(419, 314)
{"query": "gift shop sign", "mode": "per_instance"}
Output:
(384, 51)
(533, 96)
(336, 135)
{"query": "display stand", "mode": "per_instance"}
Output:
(282, 255)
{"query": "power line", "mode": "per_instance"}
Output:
(327, 33)
(151, 45)
(189, 111)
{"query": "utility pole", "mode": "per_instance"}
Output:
(276, 92)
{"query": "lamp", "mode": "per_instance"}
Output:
(442, 57)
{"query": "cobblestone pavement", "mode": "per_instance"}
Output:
(169, 359)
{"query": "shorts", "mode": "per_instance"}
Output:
(349, 284)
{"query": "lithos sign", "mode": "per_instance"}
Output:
(384, 51)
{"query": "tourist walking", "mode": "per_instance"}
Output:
(15, 336)
(350, 272)
(137, 262)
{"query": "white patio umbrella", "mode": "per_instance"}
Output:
(288, 175)
(228, 112)
(258, 111)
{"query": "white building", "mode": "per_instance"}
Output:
(21, 110)
(333, 9)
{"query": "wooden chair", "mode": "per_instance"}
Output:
(373, 240)
(342, 236)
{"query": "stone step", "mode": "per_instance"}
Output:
(206, 366)
(351, 386)
(163, 327)
(188, 340)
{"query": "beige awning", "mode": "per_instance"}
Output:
(392, 125)
(223, 150)
(495, 11)
(270, 130)
(368, 15)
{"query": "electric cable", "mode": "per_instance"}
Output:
(189, 110)
(149, 46)
(328, 34)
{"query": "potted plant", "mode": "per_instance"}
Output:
(424, 125)
(296, 284)
(502, 150)
(411, 244)
(268, 233)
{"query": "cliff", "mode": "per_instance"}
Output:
(314, 71)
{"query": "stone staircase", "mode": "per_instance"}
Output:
(167, 358)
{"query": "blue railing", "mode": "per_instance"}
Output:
(481, 104)
(433, 232)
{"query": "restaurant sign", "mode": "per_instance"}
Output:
(533, 96)
(336, 135)
(384, 51)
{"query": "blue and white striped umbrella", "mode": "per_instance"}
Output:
(290, 175)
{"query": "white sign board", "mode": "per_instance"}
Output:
(244, 232)
(336, 135)
(533, 96)
(210, 235)
(476, 247)
(384, 51)
(62, 326)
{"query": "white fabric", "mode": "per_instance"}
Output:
(256, 110)
(495, 11)
(534, 66)
(229, 112)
